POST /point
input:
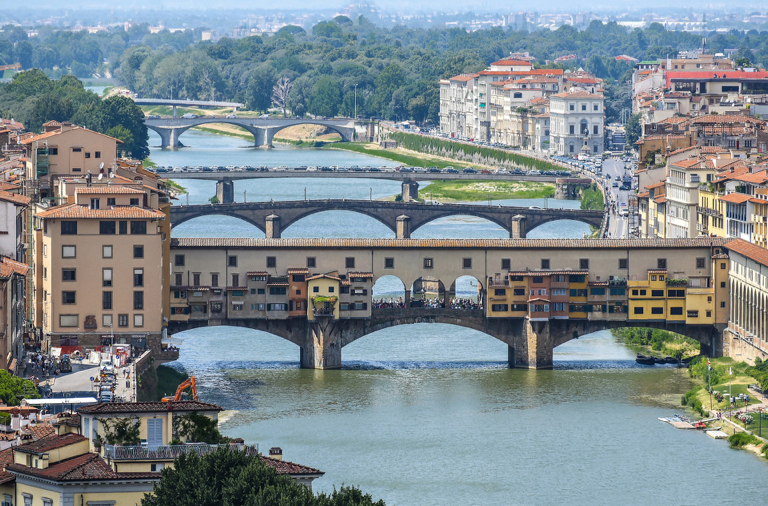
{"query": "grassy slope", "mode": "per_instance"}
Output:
(397, 156)
(468, 191)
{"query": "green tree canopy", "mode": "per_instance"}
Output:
(325, 98)
(234, 478)
(633, 129)
(13, 389)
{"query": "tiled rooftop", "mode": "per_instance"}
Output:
(242, 242)
(749, 250)
(146, 407)
(19, 200)
(86, 467)
(47, 444)
(290, 468)
(83, 211)
(97, 189)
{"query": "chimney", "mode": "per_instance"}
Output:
(276, 453)
(66, 125)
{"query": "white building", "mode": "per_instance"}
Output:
(577, 123)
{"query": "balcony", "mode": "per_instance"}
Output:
(709, 212)
(169, 452)
(168, 354)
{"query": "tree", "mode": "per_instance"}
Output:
(326, 97)
(280, 92)
(260, 86)
(235, 478)
(120, 111)
(197, 428)
(389, 80)
(298, 98)
(633, 129)
(13, 389)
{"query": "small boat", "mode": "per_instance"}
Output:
(700, 425)
(642, 359)
(659, 360)
(670, 360)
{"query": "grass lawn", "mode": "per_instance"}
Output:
(467, 191)
(409, 160)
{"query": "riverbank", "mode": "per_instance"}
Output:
(474, 191)
(404, 156)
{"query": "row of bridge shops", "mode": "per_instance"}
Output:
(532, 294)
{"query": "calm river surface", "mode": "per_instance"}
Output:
(430, 414)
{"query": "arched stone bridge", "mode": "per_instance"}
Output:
(263, 130)
(401, 217)
(530, 344)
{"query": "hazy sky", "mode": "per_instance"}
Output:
(408, 5)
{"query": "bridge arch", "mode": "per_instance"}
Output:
(182, 217)
(576, 232)
(456, 214)
(388, 289)
(295, 218)
(346, 135)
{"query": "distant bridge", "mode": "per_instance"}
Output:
(262, 129)
(400, 217)
(186, 103)
(362, 174)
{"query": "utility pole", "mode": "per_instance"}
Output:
(355, 102)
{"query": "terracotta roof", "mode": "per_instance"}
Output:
(290, 468)
(88, 190)
(53, 133)
(147, 407)
(360, 274)
(547, 272)
(712, 119)
(335, 244)
(40, 431)
(86, 467)
(9, 186)
(6, 458)
(52, 122)
(83, 211)
(327, 276)
(8, 267)
(298, 270)
(495, 73)
(735, 198)
(256, 273)
(578, 94)
(657, 271)
(655, 185)
(50, 443)
(19, 200)
(539, 72)
(463, 77)
(511, 62)
(748, 250)
(661, 199)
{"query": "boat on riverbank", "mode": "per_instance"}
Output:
(645, 360)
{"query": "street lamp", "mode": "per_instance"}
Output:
(355, 101)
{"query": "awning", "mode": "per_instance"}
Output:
(12, 367)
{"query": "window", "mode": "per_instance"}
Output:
(499, 308)
(232, 261)
(271, 262)
(701, 263)
(315, 289)
(216, 307)
(214, 279)
(139, 227)
(545, 263)
(179, 279)
(584, 263)
(138, 300)
(428, 263)
(123, 228)
(657, 310)
(571, 107)
(138, 252)
(519, 291)
(722, 265)
(178, 260)
(677, 311)
(311, 263)
(138, 277)
(594, 107)
(134, 202)
(506, 264)
(500, 292)
(331, 289)
(594, 129)
(97, 154)
(542, 291)
(571, 129)
(122, 320)
(466, 263)
(537, 279)
(349, 262)
(277, 290)
(68, 274)
(195, 279)
(106, 252)
(653, 277)
(138, 320)
(106, 277)
(68, 228)
(389, 263)
(597, 291)
(661, 278)
(87, 154)
(235, 279)
(95, 203)
(106, 320)
(638, 310)
(107, 228)
(111, 202)
(722, 284)
(709, 314)
(661, 263)
(675, 293)
(722, 304)
(67, 297)
(583, 107)
(106, 300)
(68, 320)
(277, 307)
(657, 293)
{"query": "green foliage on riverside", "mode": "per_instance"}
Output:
(592, 198)
(690, 399)
(32, 98)
(408, 160)
(124, 431)
(668, 343)
(196, 428)
(760, 372)
(719, 373)
(468, 152)
(168, 380)
(469, 191)
(13, 389)
(741, 439)
(234, 478)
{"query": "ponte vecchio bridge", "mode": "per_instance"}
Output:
(402, 218)
(534, 294)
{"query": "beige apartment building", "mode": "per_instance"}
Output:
(64, 150)
(98, 273)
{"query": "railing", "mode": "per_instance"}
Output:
(169, 452)
(323, 312)
(709, 212)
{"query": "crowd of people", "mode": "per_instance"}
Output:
(437, 303)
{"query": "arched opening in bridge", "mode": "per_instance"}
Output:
(460, 226)
(306, 133)
(217, 225)
(328, 224)
(467, 293)
(427, 291)
(560, 229)
(232, 348)
(388, 292)
(426, 345)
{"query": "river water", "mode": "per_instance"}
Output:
(430, 414)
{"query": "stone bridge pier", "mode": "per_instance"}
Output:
(225, 191)
(169, 137)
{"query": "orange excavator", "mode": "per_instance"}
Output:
(189, 382)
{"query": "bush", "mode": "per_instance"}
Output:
(741, 439)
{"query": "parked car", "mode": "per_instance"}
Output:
(231, 116)
(469, 170)
(189, 115)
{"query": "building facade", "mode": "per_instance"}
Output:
(576, 123)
